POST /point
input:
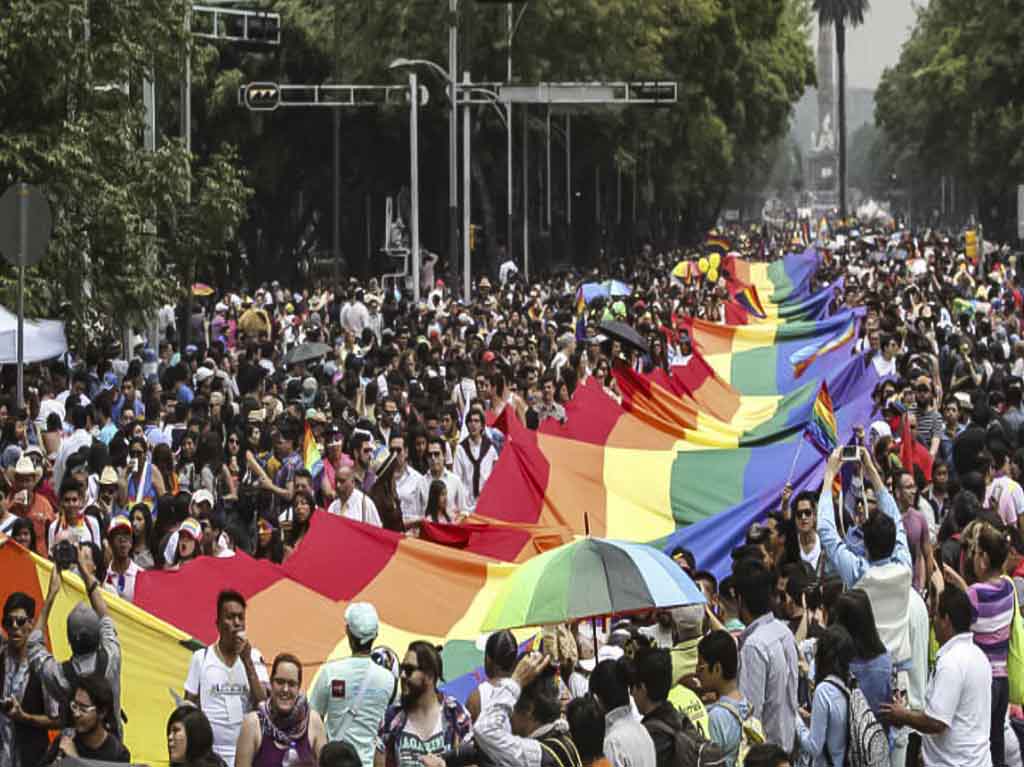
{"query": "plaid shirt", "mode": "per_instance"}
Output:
(458, 727)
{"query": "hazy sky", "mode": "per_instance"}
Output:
(876, 45)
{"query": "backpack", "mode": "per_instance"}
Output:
(866, 743)
(559, 750)
(751, 731)
(690, 749)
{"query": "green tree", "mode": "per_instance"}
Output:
(840, 14)
(72, 115)
(740, 65)
(952, 105)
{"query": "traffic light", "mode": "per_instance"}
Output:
(262, 97)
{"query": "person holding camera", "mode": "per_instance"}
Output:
(27, 712)
(95, 648)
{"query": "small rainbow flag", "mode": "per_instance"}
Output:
(310, 451)
(803, 358)
(822, 430)
(749, 300)
(720, 244)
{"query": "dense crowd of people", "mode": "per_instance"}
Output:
(870, 627)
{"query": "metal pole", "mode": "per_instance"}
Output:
(336, 189)
(466, 196)
(568, 169)
(547, 183)
(508, 133)
(453, 138)
(336, 161)
(23, 245)
(526, 192)
(414, 194)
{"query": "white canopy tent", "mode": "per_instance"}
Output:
(44, 339)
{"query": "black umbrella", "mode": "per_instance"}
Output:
(306, 353)
(625, 333)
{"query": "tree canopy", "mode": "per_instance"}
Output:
(953, 101)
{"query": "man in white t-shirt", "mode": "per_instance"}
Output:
(228, 679)
(957, 712)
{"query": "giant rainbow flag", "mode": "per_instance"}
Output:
(745, 307)
(757, 359)
(689, 456)
(785, 279)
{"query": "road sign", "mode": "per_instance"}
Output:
(24, 207)
(262, 97)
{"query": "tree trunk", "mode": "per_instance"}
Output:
(841, 55)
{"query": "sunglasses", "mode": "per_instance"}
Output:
(15, 622)
(407, 669)
(78, 708)
(805, 514)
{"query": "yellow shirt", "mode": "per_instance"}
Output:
(688, 704)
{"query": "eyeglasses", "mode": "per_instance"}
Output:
(407, 669)
(15, 621)
(805, 513)
(78, 708)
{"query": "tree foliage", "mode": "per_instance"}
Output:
(953, 101)
(71, 113)
(740, 65)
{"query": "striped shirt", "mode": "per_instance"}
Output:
(993, 614)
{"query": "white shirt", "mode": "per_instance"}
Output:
(458, 497)
(811, 557)
(464, 467)
(86, 530)
(79, 438)
(883, 366)
(125, 590)
(408, 486)
(224, 695)
(960, 696)
(359, 507)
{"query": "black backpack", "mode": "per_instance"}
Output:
(558, 750)
(691, 749)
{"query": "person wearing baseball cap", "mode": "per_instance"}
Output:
(352, 694)
(122, 570)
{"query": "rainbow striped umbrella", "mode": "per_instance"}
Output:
(589, 578)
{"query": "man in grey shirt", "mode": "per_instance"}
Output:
(768, 656)
(94, 644)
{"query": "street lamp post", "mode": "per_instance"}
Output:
(414, 180)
